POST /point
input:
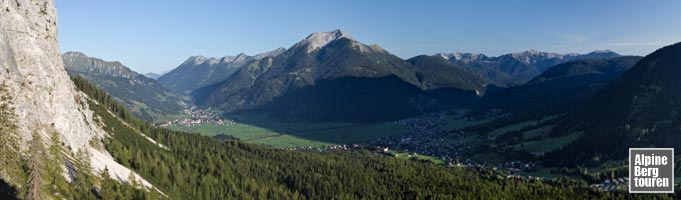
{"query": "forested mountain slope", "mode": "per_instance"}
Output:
(144, 97)
(560, 87)
(640, 109)
(188, 166)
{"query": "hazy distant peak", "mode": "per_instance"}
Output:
(466, 57)
(230, 59)
(272, 53)
(74, 54)
(241, 55)
(320, 39)
(603, 51)
(199, 59)
(196, 60)
(152, 75)
(534, 52)
(328, 36)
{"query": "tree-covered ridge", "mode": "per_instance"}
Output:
(560, 88)
(144, 97)
(196, 167)
(639, 109)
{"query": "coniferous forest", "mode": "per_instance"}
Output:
(189, 166)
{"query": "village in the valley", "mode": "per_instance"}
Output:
(197, 116)
(426, 138)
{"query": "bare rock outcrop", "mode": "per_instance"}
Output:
(44, 97)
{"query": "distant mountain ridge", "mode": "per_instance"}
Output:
(435, 72)
(152, 75)
(199, 71)
(78, 61)
(608, 68)
(335, 61)
(561, 86)
(146, 98)
(517, 68)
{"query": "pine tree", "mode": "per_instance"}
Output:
(35, 167)
(55, 165)
(82, 182)
(10, 162)
(109, 187)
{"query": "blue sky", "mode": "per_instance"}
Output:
(157, 35)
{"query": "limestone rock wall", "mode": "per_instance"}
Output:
(44, 97)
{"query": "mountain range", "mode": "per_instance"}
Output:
(517, 68)
(560, 87)
(330, 75)
(290, 81)
(143, 96)
(639, 109)
(199, 71)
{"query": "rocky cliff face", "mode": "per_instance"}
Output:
(44, 98)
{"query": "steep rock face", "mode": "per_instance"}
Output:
(44, 98)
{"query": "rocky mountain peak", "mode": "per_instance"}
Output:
(198, 59)
(240, 57)
(320, 39)
(74, 54)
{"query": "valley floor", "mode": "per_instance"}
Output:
(440, 137)
(449, 138)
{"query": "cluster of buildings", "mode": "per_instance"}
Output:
(621, 183)
(328, 147)
(427, 138)
(518, 166)
(197, 117)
